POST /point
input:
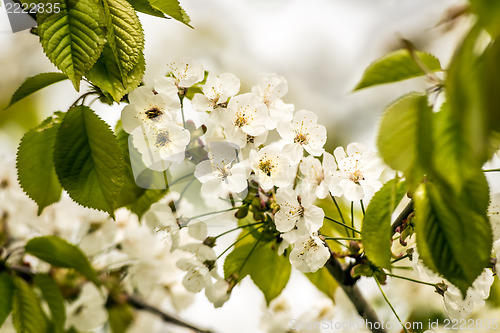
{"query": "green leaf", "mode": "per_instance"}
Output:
(397, 66)
(376, 229)
(54, 298)
(6, 296)
(58, 252)
(405, 137)
(120, 318)
(27, 314)
(487, 12)
(324, 281)
(35, 83)
(268, 270)
(453, 238)
(106, 75)
(145, 7)
(35, 163)
(171, 8)
(121, 65)
(73, 38)
(88, 160)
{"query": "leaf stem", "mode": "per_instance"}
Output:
(400, 258)
(342, 238)
(344, 225)
(181, 98)
(352, 215)
(410, 279)
(250, 253)
(340, 213)
(362, 207)
(236, 242)
(389, 303)
(491, 170)
(213, 213)
(239, 227)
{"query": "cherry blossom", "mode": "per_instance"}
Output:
(271, 88)
(216, 92)
(271, 167)
(309, 254)
(316, 175)
(186, 72)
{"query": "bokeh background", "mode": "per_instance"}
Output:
(321, 47)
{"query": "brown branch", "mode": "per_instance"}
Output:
(402, 216)
(342, 275)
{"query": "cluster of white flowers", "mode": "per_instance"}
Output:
(455, 305)
(237, 151)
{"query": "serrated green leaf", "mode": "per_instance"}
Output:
(27, 314)
(6, 296)
(35, 163)
(376, 229)
(453, 238)
(269, 271)
(173, 9)
(405, 137)
(58, 252)
(120, 318)
(88, 160)
(324, 281)
(145, 7)
(73, 38)
(121, 65)
(106, 75)
(54, 298)
(397, 66)
(35, 83)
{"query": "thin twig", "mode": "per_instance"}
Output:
(402, 216)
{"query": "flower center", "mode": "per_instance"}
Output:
(162, 139)
(301, 138)
(224, 172)
(250, 139)
(240, 120)
(153, 113)
(266, 166)
(4, 184)
(356, 176)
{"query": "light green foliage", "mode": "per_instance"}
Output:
(376, 229)
(171, 8)
(324, 281)
(397, 66)
(58, 252)
(145, 7)
(487, 12)
(120, 317)
(35, 83)
(55, 301)
(259, 259)
(88, 160)
(27, 314)
(35, 166)
(6, 295)
(405, 137)
(121, 65)
(454, 239)
(74, 37)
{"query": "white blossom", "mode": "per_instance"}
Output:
(456, 307)
(216, 91)
(217, 292)
(147, 108)
(271, 167)
(161, 145)
(317, 175)
(245, 117)
(297, 211)
(271, 88)
(197, 274)
(87, 312)
(358, 174)
(303, 132)
(221, 174)
(186, 72)
(309, 254)
(494, 215)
